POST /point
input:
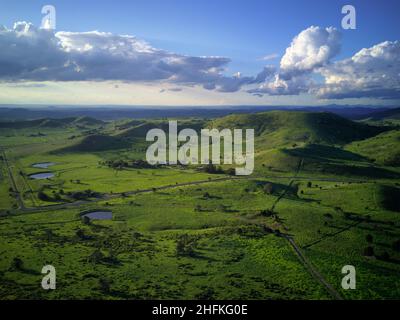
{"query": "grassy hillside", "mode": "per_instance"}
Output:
(282, 128)
(139, 129)
(96, 142)
(384, 148)
(286, 138)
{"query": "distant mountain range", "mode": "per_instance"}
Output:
(15, 113)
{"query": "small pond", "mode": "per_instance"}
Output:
(99, 215)
(42, 175)
(43, 165)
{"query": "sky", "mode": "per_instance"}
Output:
(179, 52)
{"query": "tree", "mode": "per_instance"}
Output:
(309, 184)
(86, 220)
(185, 245)
(96, 257)
(17, 264)
(396, 245)
(268, 188)
(266, 213)
(42, 196)
(80, 234)
(369, 251)
(369, 238)
(206, 195)
(104, 285)
(385, 256)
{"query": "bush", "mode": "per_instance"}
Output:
(369, 238)
(185, 245)
(328, 215)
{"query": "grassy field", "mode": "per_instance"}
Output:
(182, 233)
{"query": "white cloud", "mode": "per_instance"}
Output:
(371, 72)
(271, 56)
(310, 49)
(29, 53)
(282, 87)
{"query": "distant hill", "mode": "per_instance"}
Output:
(88, 121)
(114, 112)
(134, 130)
(385, 115)
(50, 123)
(140, 131)
(96, 142)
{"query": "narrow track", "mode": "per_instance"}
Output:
(303, 259)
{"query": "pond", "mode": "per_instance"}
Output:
(42, 175)
(99, 215)
(43, 165)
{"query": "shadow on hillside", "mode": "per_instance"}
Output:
(325, 153)
(332, 160)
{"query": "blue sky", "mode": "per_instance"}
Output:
(243, 31)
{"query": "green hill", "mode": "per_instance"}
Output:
(96, 142)
(286, 128)
(384, 148)
(286, 138)
(88, 121)
(56, 123)
(140, 130)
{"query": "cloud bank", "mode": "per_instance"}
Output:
(371, 72)
(31, 54)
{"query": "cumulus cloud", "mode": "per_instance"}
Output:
(371, 72)
(32, 54)
(310, 49)
(282, 87)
